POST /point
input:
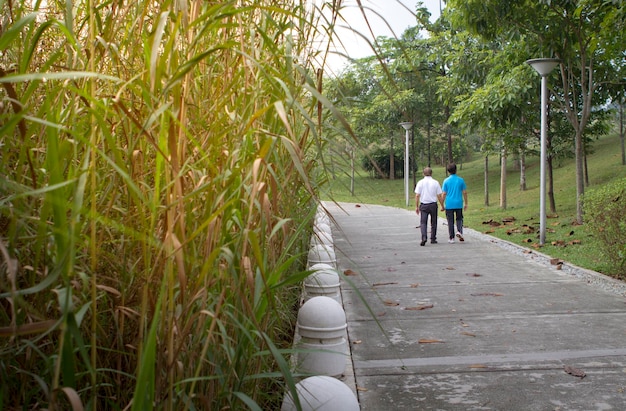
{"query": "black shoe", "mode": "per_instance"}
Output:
(433, 242)
(423, 243)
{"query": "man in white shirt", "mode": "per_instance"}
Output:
(427, 193)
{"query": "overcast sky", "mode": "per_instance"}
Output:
(386, 18)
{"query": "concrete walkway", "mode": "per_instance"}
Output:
(473, 325)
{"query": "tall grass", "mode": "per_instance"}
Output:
(155, 200)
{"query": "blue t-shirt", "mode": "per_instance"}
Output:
(454, 186)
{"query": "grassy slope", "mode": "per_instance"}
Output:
(563, 239)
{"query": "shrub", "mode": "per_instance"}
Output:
(605, 211)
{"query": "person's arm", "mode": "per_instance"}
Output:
(417, 203)
(465, 199)
(443, 201)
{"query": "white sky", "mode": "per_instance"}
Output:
(386, 18)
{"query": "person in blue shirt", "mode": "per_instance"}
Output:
(455, 201)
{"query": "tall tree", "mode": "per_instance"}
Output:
(577, 32)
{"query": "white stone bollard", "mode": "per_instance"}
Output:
(322, 228)
(322, 254)
(321, 326)
(321, 238)
(322, 393)
(323, 282)
(320, 266)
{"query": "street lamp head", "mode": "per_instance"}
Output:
(407, 125)
(543, 66)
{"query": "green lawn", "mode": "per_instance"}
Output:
(564, 239)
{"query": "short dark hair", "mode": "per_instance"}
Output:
(452, 168)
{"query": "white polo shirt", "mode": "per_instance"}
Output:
(428, 188)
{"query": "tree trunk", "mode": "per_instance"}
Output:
(414, 162)
(549, 167)
(449, 135)
(586, 169)
(428, 136)
(621, 131)
(503, 180)
(551, 185)
(578, 115)
(352, 172)
(522, 171)
(487, 181)
(392, 162)
(580, 186)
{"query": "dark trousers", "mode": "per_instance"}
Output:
(450, 216)
(425, 211)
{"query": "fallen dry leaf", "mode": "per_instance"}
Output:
(473, 274)
(390, 303)
(487, 295)
(419, 307)
(429, 341)
(356, 342)
(468, 334)
(574, 371)
(361, 389)
(478, 366)
(573, 242)
(349, 272)
(414, 285)
(379, 284)
(450, 268)
(390, 269)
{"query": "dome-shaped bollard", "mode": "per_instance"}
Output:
(321, 266)
(322, 283)
(322, 254)
(322, 393)
(321, 238)
(322, 228)
(322, 217)
(321, 325)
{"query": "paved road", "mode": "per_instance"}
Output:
(473, 325)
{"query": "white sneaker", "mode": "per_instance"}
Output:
(459, 236)
(451, 241)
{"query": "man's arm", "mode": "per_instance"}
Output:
(465, 199)
(417, 203)
(443, 201)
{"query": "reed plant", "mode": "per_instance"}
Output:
(157, 188)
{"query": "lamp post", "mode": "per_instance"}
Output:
(407, 126)
(543, 66)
